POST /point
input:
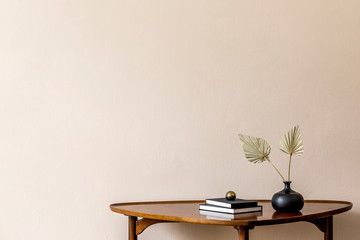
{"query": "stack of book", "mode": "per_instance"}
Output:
(230, 209)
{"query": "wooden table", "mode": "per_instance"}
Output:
(143, 214)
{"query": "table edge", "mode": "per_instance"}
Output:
(309, 217)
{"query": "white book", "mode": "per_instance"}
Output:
(229, 210)
(229, 216)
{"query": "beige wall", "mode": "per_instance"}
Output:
(113, 101)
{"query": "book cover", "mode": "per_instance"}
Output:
(237, 203)
(213, 208)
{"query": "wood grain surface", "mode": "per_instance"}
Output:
(188, 211)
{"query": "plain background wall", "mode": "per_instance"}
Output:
(112, 101)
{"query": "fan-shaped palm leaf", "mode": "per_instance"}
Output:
(256, 149)
(291, 142)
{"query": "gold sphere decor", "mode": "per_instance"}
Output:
(230, 195)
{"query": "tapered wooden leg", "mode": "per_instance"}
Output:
(328, 234)
(132, 228)
(243, 232)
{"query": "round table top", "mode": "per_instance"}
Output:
(188, 211)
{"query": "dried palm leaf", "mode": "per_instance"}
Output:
(291, 142)
(256, 149)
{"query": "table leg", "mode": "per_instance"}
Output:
(132, 228)
(243, 232)
(328, 234)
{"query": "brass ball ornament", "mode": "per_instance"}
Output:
(230, 195)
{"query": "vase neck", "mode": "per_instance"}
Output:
(287, 187)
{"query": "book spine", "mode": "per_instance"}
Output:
(249, 210)
(221, 204)
(216, 209)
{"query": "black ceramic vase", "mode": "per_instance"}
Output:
(287, 200)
